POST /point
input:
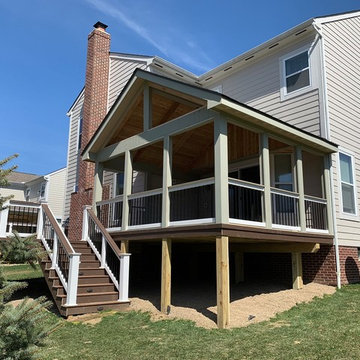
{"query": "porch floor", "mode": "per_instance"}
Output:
(197, 303)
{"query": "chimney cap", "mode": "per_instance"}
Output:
(100, 25)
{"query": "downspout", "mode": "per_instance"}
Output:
(318, 29)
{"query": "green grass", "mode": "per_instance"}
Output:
(327, 328)
(21, 272)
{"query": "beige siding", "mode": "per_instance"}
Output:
(56, 192)
(342, 50)
(258, 85)
(120, 72)
(72, 156)
(17, 193)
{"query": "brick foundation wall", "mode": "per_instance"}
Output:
(349, 265)
(95, 108)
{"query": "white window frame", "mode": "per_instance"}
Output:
(284, 95)
(343, 214)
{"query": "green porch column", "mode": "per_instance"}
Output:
(327, 186)
(221, 170)
(167, 181)
(128, 173)
(300, 187)
(265, 174)
(98, 184)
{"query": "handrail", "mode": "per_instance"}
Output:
(315, 199)
(145, 194)
(24, 203)
(284, 192)
(192, 184)
(107, 236)
(246, 184)
(112, 260)
(64, 260)
(110, 201)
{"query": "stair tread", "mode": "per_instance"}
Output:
(98, 303)
(92, 294)
(95, 285)
(92, 276)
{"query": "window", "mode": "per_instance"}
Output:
(27, 194)
(295, 73)
(119, 183)
(42, 190)
(347, 183)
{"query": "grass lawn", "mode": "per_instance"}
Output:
(327, 328)
(21, 272)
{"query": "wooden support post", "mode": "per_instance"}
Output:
(300, 187)
(166, 276)
(98, 185)
(124, 246)
(327, 186)
(221, 170)
(128, 173)
(222, 281)
(239, 267)
(167, 181)
(265, 169)
(297, 270)
(147, 108)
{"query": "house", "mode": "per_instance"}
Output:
(28, 191)
(247, 171)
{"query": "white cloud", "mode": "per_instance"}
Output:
(176, 48)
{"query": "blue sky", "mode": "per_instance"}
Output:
(43, 53)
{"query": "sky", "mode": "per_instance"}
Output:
(43, 54)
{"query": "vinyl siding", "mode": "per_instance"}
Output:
(72, 156)
(120, 72)
(56, 193)
(342, 41)
(17, 193)
(258, 85)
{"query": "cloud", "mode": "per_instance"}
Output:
(164, 42)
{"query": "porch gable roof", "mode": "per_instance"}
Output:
(212, 100)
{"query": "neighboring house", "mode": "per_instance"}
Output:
(255, 161)
(28, 191)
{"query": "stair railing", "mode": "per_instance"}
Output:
(115, 263)
(64, 260)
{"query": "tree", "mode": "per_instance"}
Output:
(4, 173)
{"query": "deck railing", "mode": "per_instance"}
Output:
(246, 202)
(110, 212)
(145, 208)
(285, 208)
(20, 216)
(192, 201)
(316, 213)
(64, 260)
(115, 263)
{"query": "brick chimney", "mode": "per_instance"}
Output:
(94, 111)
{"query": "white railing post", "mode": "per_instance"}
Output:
(54, 255)
(103, 251)
(72, 283)
(85, 224)
(124, 277)
(4, 214)
(40, 223)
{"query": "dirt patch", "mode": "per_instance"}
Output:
(89, 319)
(249, 303)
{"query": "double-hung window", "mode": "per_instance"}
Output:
(295, 74)
(347, 184)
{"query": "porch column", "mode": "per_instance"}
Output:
(147, 111)
(300, 187)
(296, 270)
(221, 170)
(128, 172)
(167, 181)
(4, 214)
(327, 186)
(222, 281)
(165, 276)
(265, 173)
(98, 185)
(239, 267)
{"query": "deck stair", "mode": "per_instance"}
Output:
(85, 276)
